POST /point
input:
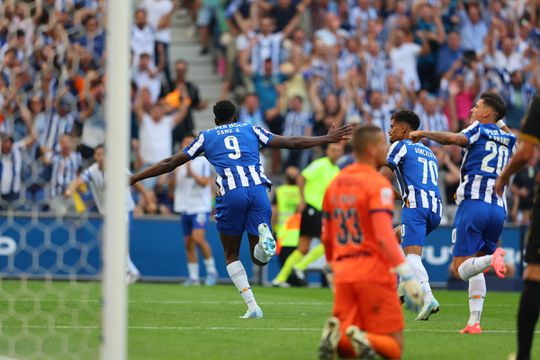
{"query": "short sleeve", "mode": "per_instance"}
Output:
(382, 197)
(531, 127)
(263, 136)
(472, 132)
(196, 147)
(396, 153)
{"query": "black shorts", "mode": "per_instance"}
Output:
(311, 222)
(532, 249)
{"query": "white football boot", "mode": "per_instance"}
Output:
(253, 314)
(329, 339)
(266, 240)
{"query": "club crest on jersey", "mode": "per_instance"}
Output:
(387, 196)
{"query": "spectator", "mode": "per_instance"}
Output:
(251, 112)
(376, 113)
(185, 93)
(160, 14)
(472, 28)
(268, 87)
(143, 37)
(404, 56)
(93, 39)
(448, 53)
(297, 123)
(517, 94)
(362, 16)
(92, 116)
(146, 75)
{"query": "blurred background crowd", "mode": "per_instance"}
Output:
(293, 67)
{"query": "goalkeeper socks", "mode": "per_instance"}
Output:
(312, 256)
(477, 293)
(291, 261)
(418, 269)
(210, 265)
(239, 277)
(529, 308)
(474, 266)
(193, 271)
(384, 345)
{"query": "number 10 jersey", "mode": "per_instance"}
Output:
(233, 150)
(483, 160)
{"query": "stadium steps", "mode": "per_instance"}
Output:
(201, 69)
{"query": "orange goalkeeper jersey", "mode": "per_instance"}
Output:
(349, 235)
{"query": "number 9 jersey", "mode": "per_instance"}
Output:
(484, 158)
(233, 150)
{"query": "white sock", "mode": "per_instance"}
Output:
(474, 266)
(131, 266)
(477, 293)
(238, 275)
(210, 265)
(259, 254)
(193, 271)
(415, 262)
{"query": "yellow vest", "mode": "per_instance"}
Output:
(287, 198)
(289, 233)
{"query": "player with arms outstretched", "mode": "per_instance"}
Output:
(364, 255)
(488, 144)
(242, 203)
(417, 170)
(529, 305)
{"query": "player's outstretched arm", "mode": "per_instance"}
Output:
(164, 166)
(519, 159)
(442, 137)
(305, 142)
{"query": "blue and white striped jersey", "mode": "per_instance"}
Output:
(417, 170)
(233, 150)
(483, 160)
(64, 171)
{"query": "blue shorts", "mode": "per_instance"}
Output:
(192, 222)
(478, 226)
(243, 209)
(416, 225)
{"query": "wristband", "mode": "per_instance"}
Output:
(501, 124)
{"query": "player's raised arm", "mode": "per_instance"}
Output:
(164, 166)
(304, 142)
(442, 137)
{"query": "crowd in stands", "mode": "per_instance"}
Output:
(294, 67)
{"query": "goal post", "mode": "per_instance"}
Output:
(115, 246)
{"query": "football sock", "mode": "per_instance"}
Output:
(210, 265)
(193, 271)
(415, 262)
(529, 308)
(260, 254)
(239, 277)
(313, 255)
(384, 345)
(477, 293)
(474, 266)
(291, 261)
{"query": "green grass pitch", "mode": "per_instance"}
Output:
(169, 321)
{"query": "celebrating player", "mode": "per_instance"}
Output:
(242, 203)
(417, 171)
(529, 306)
(193, 199)
(479, 221)
(361, 249)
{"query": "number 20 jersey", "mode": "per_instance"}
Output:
(483, 160)
(233, 150)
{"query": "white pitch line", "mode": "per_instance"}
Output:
(230, 328)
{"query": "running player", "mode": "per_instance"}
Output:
(242, 203)
(417, 171)
(94, 178)
(479, 221)
(193, 199)
(529, 306)
(361, 249)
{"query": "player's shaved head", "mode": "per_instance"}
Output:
(369, 145)
(225, 112)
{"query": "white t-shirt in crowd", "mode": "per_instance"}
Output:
(155, 138)
(190, 197)
(143, 41)
(404, 59)
(156, 9)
